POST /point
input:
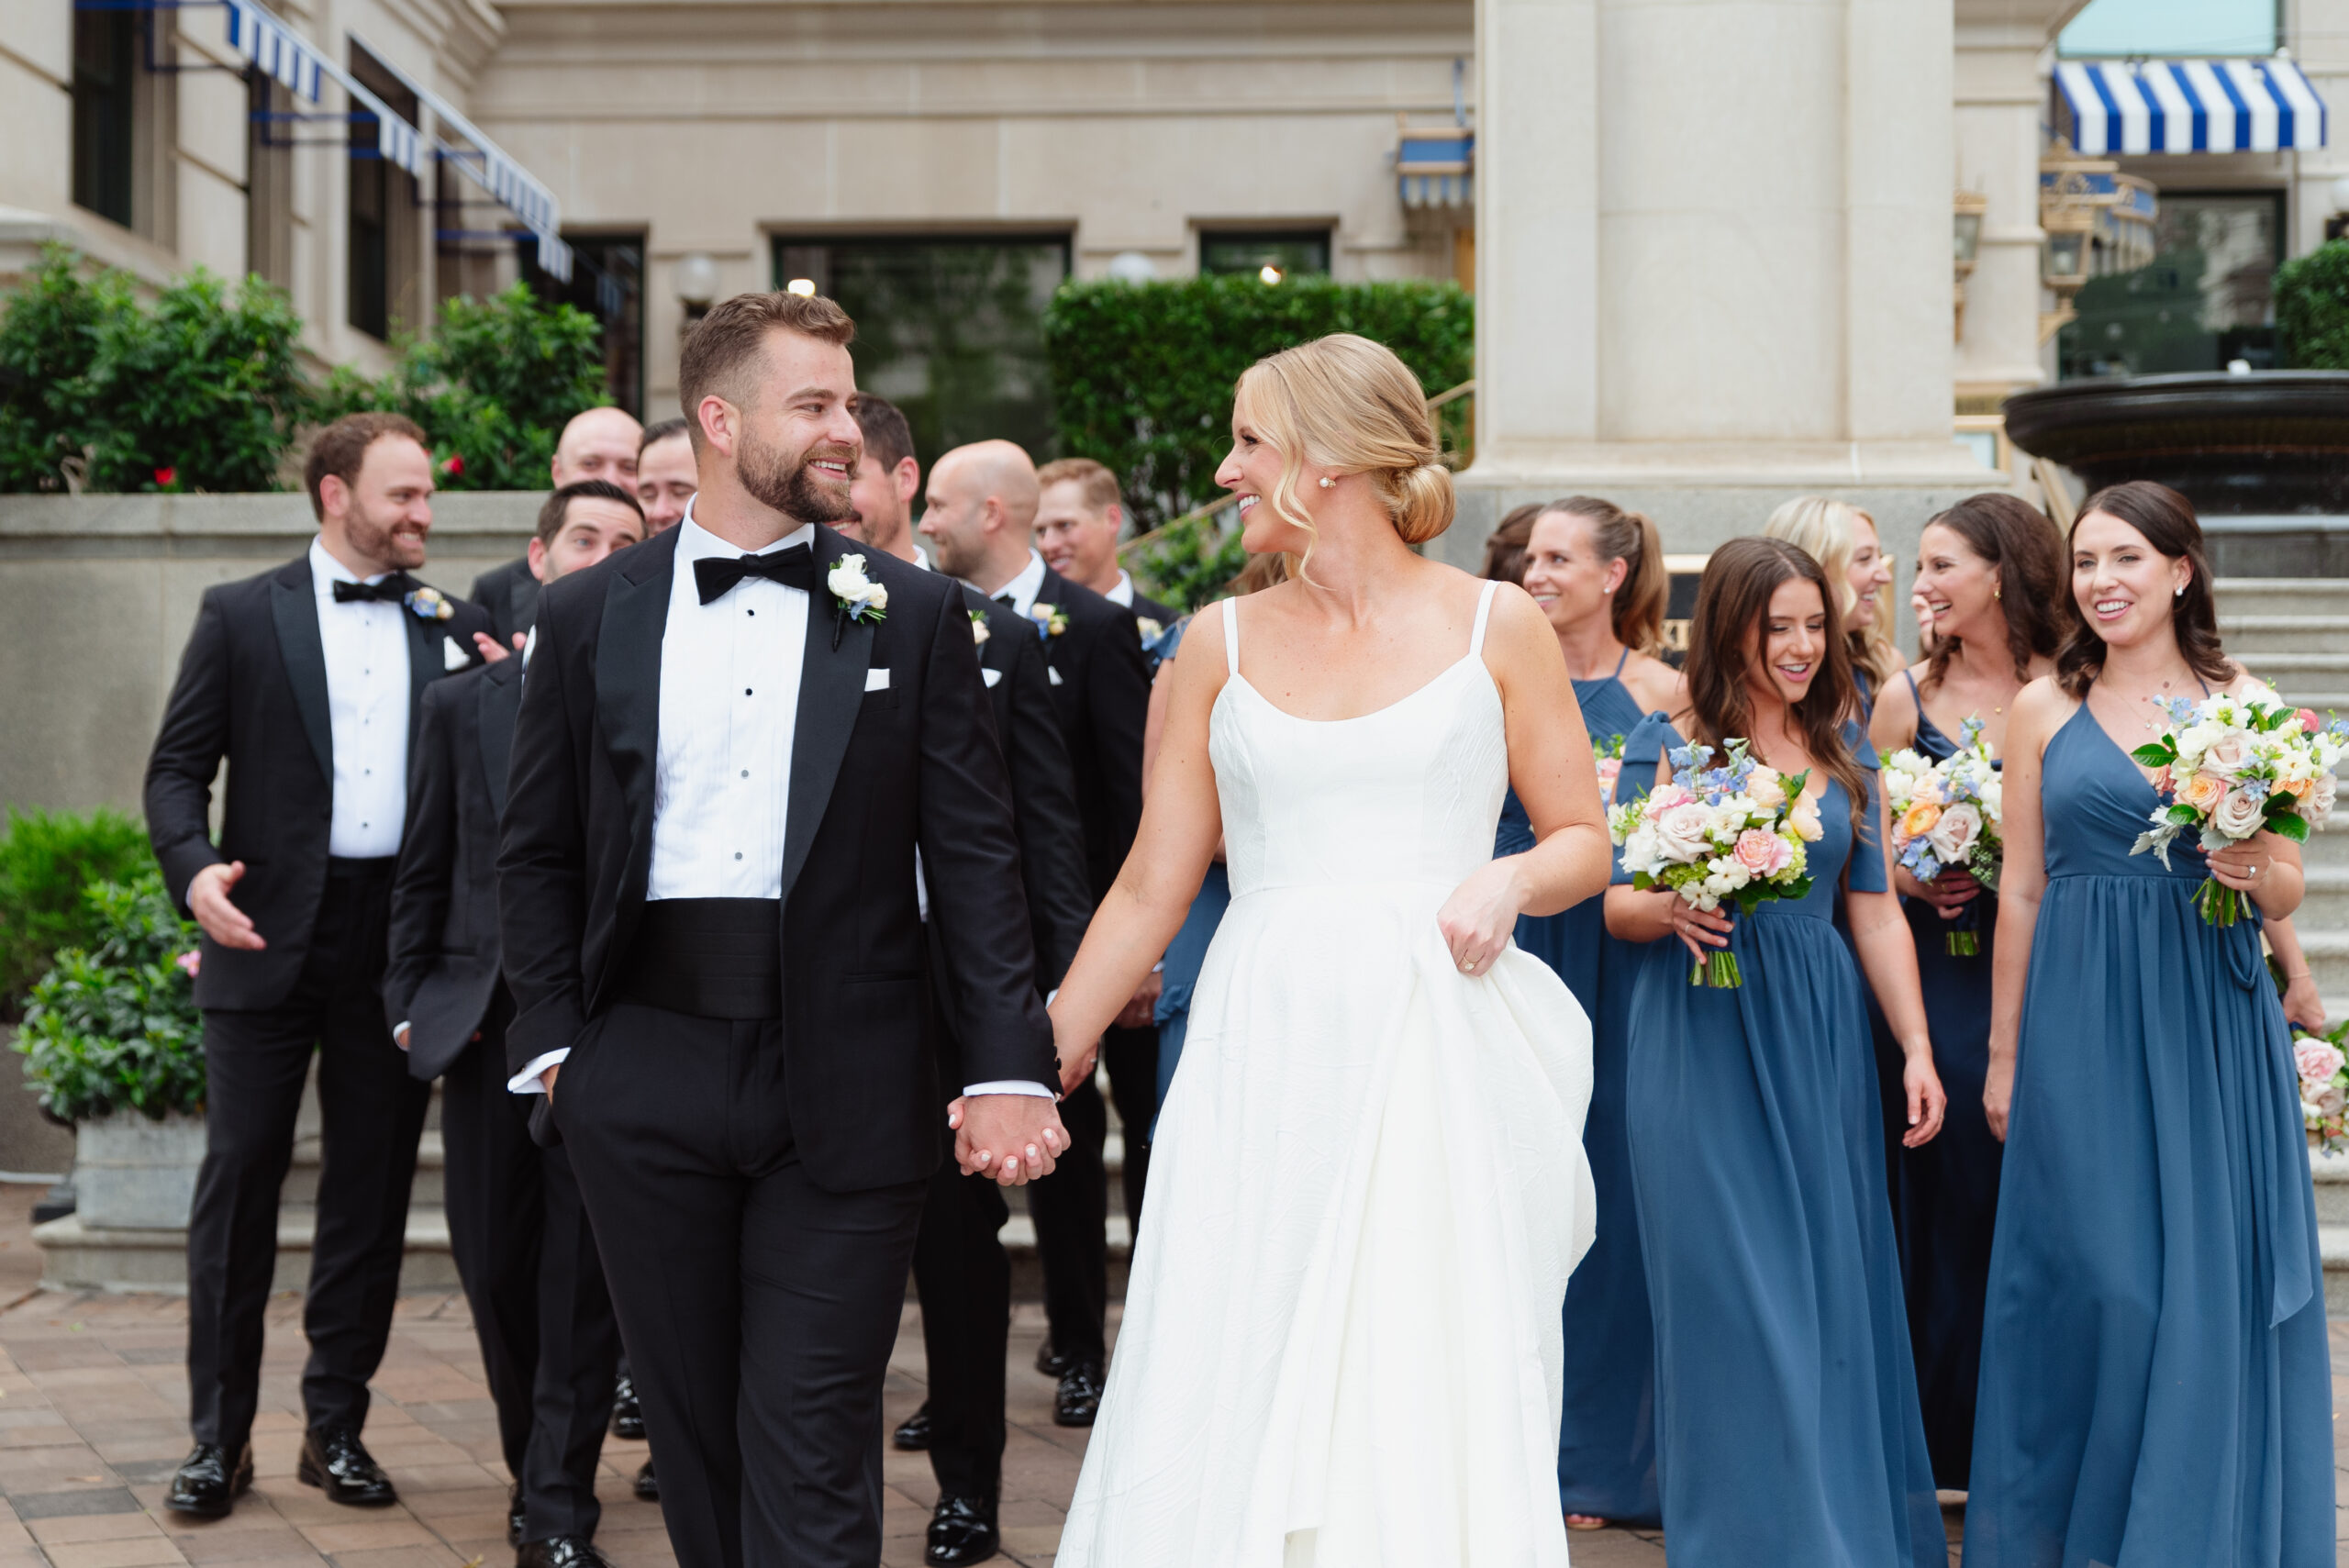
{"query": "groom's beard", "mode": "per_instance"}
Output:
(788, 482)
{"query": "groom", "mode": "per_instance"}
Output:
(729, 752)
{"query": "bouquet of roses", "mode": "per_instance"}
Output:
(1610, 756)
(1734, 834)
(2232, 765)
(2324, 1086)
(1946, 813)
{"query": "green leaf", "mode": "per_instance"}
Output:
(2286, 823)
(2157, 754)
(2184, 816)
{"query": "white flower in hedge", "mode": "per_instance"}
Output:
(859, 596)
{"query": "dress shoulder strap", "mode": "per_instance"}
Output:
(1620, 660)
(1914, 694)
(1231, 635)
(1484, 614)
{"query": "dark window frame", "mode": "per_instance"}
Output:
(2236, 342)
(381, 269)
(591, 261)
(1266, 242)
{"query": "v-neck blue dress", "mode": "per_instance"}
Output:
(1786, 1420)
(2155, 1384)
(1607, 1438)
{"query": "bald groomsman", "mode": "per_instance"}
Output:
(599, 443)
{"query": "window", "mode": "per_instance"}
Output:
(2118, 29)
(383, 280)
(950, 329)
(1289, 251)
(269, 180)
(106, 90)
(607, 282)
(2206, 299)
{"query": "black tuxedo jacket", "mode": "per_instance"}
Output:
(874, 773)
(1101, 681)
(1151, 609)
(443, 968)
(252, 688)
(510, 594)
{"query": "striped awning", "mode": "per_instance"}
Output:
(2110, 107)
(280, 51)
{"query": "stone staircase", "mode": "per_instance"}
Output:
(2294, 632)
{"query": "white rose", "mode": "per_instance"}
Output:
(2319, 805)
(847, 580)
(1959, 826)
(1684, 832)
(2239, 816)
(1642, 853)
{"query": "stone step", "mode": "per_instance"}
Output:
(2326, 597)
(2328, 955)
(2326, 905)
(2319, 680)
(301, 1189)
(2259, 635)
(75, 1257)
(2332, 1247)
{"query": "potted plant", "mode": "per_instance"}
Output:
(113, 1043)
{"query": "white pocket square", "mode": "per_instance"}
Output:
(990, 676)
(452, 656)
(876, 680)
(1055, 674)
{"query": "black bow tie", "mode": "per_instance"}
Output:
(794, 568)
(390, 591)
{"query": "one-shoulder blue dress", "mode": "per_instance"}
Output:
(1786, 1420)
(2155, 1386)
(1945, 1200)
(1607, 1439)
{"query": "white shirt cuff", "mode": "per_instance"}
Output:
(526, 1081)
(1011, 1086)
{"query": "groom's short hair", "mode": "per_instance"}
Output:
(721, 353)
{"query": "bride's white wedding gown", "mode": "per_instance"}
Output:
(1341, 1344)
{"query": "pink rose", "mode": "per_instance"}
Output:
(1685, 831)
(190, 962)
(2319, 1061)
(1763, 854)
(1665, 796)
(1610, 768)
(2309, 722)
(2227, 755)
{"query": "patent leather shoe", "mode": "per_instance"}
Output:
(518, 1518)
(648, 1485)
(913, 1433)
(337, 1462)
(961, 1529)
(1079, 1399)
(206, 1485)
(1050, 1361)
(560, 1552)
(628, 1411)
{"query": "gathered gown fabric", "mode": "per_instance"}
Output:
(1341, 1346)
(1786, 1419)
(1945, 1201)
(2155, 1384)
(1607, 1436)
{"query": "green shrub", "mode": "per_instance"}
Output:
(2312, 309)
(1189, 563)
(46, 861)
(115, 1026)
(1142, 374)
(201, 390)
(493, 387)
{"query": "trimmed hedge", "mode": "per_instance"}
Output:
(1143, 373)
(115, 1026)
(46, 861)
(2312, 309)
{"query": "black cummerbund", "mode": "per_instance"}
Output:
(711, 958)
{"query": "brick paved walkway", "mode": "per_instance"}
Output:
(93, 1420)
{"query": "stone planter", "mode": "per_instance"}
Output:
(134, 1174)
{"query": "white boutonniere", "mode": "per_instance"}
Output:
(979, 633)
(854, 597)
(429, 604)
(1150, 630)
(453, 658)
(1051, 619)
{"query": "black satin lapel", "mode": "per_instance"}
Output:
(294, 607)
(831, 692)
(627, 701)
(501, 705)
(426, 664)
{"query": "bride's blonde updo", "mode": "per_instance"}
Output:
(1349, 404)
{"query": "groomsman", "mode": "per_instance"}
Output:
(979, 522)
(720, 970)
(309, 680)
(1079, 520)
(523, 1246)
(598, 443)
(961, 1271)
(665, 480)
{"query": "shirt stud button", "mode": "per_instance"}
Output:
(738, 854)
(746, 772)
(746, 691)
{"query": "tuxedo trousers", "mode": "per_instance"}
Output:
(759, 1310)
(1071, 1207)
(256, 1062)
(963, 1278)
(527, 1254)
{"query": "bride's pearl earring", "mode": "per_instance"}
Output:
(1328, 483)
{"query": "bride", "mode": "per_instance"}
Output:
(1341, 1343)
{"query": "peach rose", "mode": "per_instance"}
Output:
(1918, 820)
(1763, 854)
(1803, 821)
(2203, 791)
(1767, 788)
(2164, 779)
(2296, 788)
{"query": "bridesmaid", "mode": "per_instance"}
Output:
(1598, 573)
(1842, 539)
(1787, 1421)
(2155, 1386)
(1989, 577)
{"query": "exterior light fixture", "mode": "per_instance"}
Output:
(695, 280)
(804, 287)
(1269, 274)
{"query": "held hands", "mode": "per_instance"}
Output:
(1076, 1062)
(1480, 916)
(208, 899)
(1027, 1126)
(1141, 1012)
(1926, 1101)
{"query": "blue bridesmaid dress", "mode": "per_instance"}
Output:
(1606, 1440)
(1786, 1419)
(2155, 1384)
(1946, 1197)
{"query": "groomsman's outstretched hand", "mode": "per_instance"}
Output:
(1011, 1138)
(207, 900)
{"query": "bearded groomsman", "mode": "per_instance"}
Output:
(598, 443)
(523, 1246)
(719, 969)
(980, 521)
(309, 680)
(961, 1270)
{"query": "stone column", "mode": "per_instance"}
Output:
(1713, 261)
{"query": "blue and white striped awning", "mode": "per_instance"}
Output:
(2117, 107)
(280, 51)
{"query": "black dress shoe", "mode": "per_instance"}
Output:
(518, 1518)
(961, 1529)
(561, 1552)
(628, 1411)
(1050, 1361)
(206, 1486)
(648, 1485)
(1079, 1399)
(337, 1460)
(913, 1433)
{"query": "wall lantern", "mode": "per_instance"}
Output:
(1966, 235)
(695, 280)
